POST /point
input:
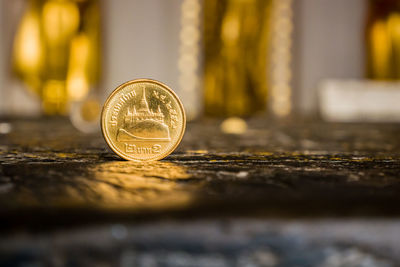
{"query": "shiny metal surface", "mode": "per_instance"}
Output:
(143, 120)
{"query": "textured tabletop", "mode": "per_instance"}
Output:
(292, 169)
(295, 193)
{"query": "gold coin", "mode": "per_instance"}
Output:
(143, 120)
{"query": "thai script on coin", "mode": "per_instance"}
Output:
(143, 120)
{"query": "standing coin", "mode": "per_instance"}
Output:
(143, 120)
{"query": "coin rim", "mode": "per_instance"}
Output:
(109, 142)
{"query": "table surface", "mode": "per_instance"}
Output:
(298, 168)
(53, 178)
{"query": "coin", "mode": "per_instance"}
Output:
(143, 120)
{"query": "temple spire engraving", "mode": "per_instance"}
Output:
(144, 106)
(142, 123)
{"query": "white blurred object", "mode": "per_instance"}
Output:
(359, 101)
(5, 127)
(85, 115)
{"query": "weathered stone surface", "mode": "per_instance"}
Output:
(53, 178)
(302, 168)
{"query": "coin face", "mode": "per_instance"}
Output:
(143, 120)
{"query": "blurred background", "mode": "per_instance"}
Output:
(339, 60)
(290, 191)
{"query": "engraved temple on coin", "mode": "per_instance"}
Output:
(142, 124)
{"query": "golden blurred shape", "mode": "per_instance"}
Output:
(77, 78)
(28, 52)
(383, 40)
(380, 50)
(60, 21)
(56, 51)
(234, 125)
(236, 41)
(53, 93)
